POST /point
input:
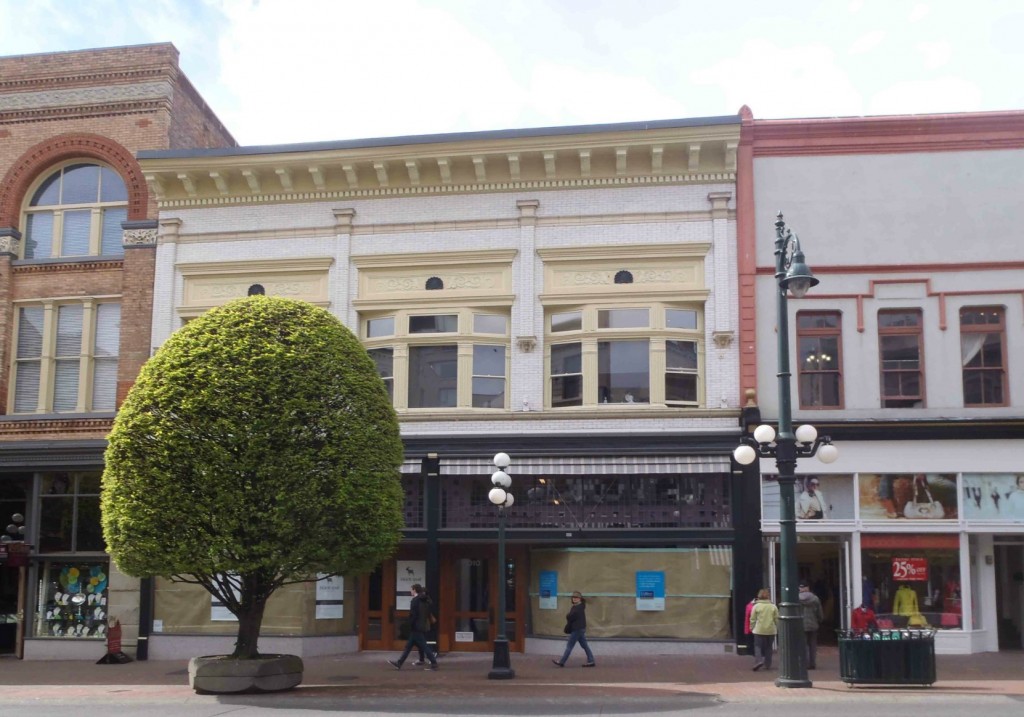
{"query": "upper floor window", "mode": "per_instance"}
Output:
(900, 354)
(819, 342)
(624, 355)
(76, 211)
(65, 358)
(449, 359)
(69, 513)
(983, 355)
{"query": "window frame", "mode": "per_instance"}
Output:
(464, 338)
(48, 359)
(97, 211)
(837, 333)
(656, 334)
(888, 331)
(998, 328)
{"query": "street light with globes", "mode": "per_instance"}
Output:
(793, 276)
(501, 497)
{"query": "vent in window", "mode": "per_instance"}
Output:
(434, 283)
(256, 290)
(623, 277)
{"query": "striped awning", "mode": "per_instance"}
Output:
(582, 465)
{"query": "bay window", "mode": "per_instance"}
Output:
(624, 355)
(445, 359)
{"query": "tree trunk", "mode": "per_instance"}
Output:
(250, 620)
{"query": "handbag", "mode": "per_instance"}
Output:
(566, 630)
(929, 508)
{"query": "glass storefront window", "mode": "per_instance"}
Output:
(73, 599)
(912, 581)
(69, 513)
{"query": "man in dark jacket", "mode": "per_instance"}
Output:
(812, 621)
(418, 623)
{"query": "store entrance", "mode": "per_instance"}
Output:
(12, 609)
(824, 563)
(466, 600)
(1010, 595)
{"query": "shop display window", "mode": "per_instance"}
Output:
(916, 585)
(73, 600)
(818, 498)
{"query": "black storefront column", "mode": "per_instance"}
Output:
(431, 473)
(747, 553)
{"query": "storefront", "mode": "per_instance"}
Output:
(929, 548)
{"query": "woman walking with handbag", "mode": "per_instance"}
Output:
(764, 624)
(576, 629)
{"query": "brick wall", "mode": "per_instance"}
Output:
(108, 104)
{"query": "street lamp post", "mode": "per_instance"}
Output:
(501, 497)
(792, 275)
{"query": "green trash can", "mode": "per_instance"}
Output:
(887, 657)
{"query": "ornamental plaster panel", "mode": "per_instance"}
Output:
(9, 244)
(139, 237)
(467, 281)
(80, 96)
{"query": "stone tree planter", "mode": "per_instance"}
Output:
(223, 674)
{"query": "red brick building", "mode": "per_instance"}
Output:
(77, 248)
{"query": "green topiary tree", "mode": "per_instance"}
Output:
(257, 448)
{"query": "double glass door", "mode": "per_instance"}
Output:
(466, 601)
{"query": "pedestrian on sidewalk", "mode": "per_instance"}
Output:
(748, 635)
(418, 623)
(764, 619)
(813, 616)
(576, 629)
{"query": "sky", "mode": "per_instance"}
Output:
(284, 71)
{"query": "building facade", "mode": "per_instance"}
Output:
(563, 295)
(77, 251)
(907, 354)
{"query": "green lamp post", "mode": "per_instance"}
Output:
(793, 276)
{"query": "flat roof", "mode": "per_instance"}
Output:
(439, 138)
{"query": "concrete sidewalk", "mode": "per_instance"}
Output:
(464, 675)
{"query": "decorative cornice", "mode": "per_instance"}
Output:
(203, 200)
(27, 425)
(31, 266)
(86, 96)
(221, 268)
(888, 135)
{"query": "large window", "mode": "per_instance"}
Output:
(76, 211)
(818, 336)
(441, 359)
(66, 357)
(624, 355)
(69, 513)
(983, 355)
(900, 358)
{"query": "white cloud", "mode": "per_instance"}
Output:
(867, 42)
(946, 94)
(919, 12)
(801, 81)
(935, 54)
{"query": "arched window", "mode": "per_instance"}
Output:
(434, 283)
(623, 277)
(76, 211)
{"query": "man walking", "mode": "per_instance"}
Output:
(418, 623)
(812, 621)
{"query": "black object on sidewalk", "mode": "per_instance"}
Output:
(887, 657)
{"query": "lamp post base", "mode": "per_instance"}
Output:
(788, 682)
(501, 668)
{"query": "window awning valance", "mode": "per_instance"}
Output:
(582, 465)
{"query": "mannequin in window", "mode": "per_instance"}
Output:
(904, 604)
(863, 618)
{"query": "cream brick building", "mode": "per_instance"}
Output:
(565, 295)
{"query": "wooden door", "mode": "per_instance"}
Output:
(469, 598)
(385, 600)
